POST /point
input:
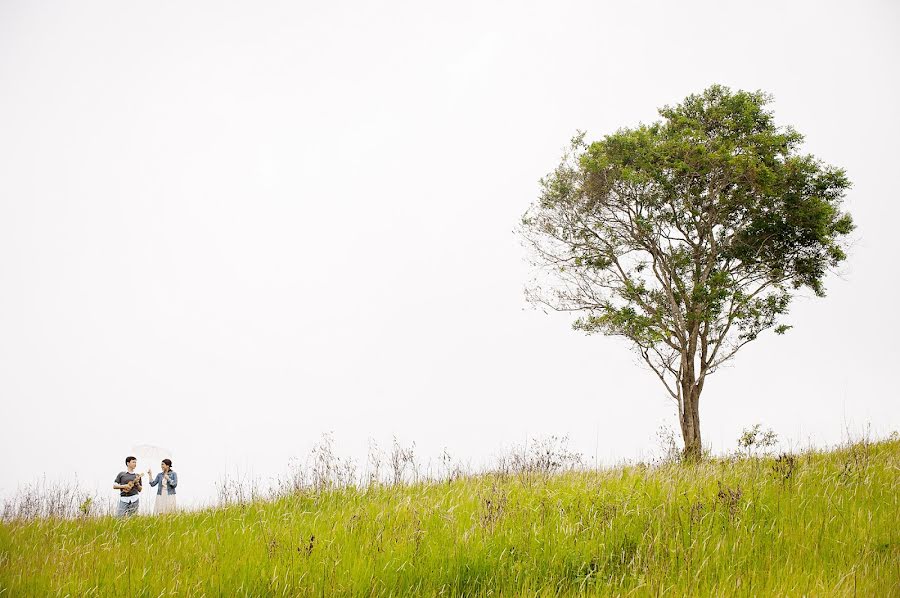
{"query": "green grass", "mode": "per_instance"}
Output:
(830, 527)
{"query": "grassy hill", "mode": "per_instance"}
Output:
(814, 524)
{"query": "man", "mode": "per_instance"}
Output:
(129, 485)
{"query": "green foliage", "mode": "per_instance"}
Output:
(715, 198)
(817, 524)
(86, 507)
(755, 438)
(688, 236)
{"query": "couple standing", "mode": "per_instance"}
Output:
(129, 486)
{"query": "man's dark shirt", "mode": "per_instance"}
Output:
(123, 478)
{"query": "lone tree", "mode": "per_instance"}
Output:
(688, 237)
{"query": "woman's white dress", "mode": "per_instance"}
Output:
(165, 502)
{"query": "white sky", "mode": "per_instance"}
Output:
(226, 228)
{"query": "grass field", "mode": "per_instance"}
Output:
(814, 524)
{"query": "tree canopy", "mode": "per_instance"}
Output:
(688, 236)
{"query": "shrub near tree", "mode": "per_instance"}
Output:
(688, 237)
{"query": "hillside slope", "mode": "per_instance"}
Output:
(820, 524)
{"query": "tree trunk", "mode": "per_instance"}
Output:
(690, 421)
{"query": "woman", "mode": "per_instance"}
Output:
(167, 479)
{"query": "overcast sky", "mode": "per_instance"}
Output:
(226, 228)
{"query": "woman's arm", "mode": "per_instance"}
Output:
(155, 480)
(173, 479)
